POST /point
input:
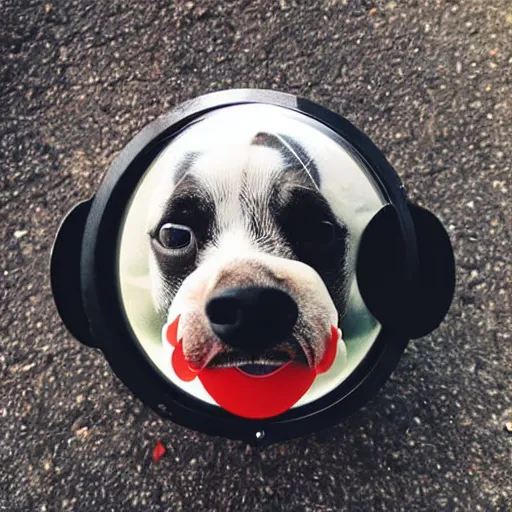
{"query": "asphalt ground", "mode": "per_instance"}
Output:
(429, 81)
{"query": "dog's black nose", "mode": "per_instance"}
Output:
(253, 318)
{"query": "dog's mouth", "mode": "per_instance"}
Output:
(259, 370)
(260, 364)
(253, 386)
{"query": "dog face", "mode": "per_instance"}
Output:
(250, 256)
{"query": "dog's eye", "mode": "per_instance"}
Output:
(317, 234)
(324, 232)
(174, 236)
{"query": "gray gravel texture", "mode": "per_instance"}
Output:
(429, 81)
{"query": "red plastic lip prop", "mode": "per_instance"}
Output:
(252, 396)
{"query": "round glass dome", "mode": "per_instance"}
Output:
(250, 196)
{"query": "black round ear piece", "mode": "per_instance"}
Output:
(433, 285)
(65, 273)
(412, 303)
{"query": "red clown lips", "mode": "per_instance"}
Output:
(252, 396)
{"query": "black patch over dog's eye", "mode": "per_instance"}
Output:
(174, 236)
(309, 225)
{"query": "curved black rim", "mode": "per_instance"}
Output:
(103, 305)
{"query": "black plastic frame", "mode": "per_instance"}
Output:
(102, 306)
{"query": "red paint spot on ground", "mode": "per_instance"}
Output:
(158, 451)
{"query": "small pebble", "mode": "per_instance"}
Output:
(82, 433)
